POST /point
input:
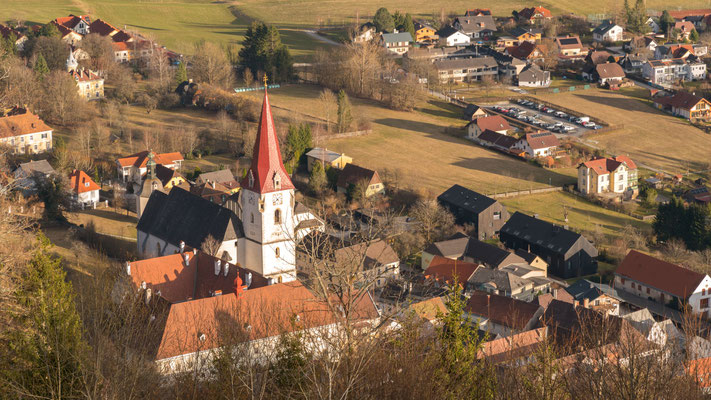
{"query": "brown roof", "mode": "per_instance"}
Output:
(140, 159)
(21, 124)
(446, 269)
(498, 139)
(667, 277)
(610, 70)
(378, 253)
(84, 75)
(684, 26)
(121, 46)
(683, 100)
(542, 140)
(679, 14)
(80, 182)
(71, 21)
(493, 123)
(165, 174)
(513, 347)
(569, 42)
(352, 174)
(599, 57)
(121, 36)
(700, 371)
(530, 13)
(507, 311)
(101, 27)
(428, 309)
(523, 50)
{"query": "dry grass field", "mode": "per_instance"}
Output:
(650, 136)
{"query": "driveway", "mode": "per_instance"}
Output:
(320, 38)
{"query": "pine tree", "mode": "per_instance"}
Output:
(40, 67)
(694, 36)
(345, 119)
(697, 232)
(383, 21)
(317, 179)
(408, 26)
(181, 73)
(262, 50)
(666, 22)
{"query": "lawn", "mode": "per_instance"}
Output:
(650, 137)
(107, 221)
(582, 215)
(416, 145)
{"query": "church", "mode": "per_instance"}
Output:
(257, 230)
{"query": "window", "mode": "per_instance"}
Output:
(277, 216)
(704, 303)
(276, 251)
(647, 290)
(251, 218)
(703, 292)
(279, 279)
(497, 215)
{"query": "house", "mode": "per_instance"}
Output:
(640, 43)
(533, 14)
(679, 50)
(503, 42)
(633, 63)
(77, 23)
(466, 69)
(425, 33)
(26, 174)
(567, 253)
(365, 33)
(103, 28)
(668, 72)
(449, 36)
(428, 311)
(608, 32)
(536, 145)
(223, 177)
(596, 296)
(123, 52)
(483, 213)
(660, 333)
(498, 141)
(502, 283)
(495, 123)
(501, 315)
(476, 27)
(684, 28)
(446, 270)
(532, 260)
(653, 25)
(526, 34)
(189, 295)
(570, 47)
(516, 350)
(134, 167)
(609, 74)
(68, 35)
(84, 190)
(698, 195)
(598, 57)
(397, 42)
(472, 112)
(471, 250)
(529, 51)
(213, 191)
(534, 76)
(437, 53)
(89, 84)
(376, 261)
(327, 158)
(24, 132)
(612, 174)
(685, 105)
(16, 36)
(353, 175)
(665, 283)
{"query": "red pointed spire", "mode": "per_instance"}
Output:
(267, 173)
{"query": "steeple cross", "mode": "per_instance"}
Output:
(265, 80)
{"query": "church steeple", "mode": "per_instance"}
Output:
(267, 172)
(72, 63)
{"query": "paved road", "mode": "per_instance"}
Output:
(320, 38)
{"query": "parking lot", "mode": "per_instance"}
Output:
(543, 117)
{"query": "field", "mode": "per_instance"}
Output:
(650, 137)
(416, 145)
(581, 214)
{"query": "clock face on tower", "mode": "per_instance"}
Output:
(277, 199)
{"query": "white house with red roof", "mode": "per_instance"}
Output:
(541, 144)
(134, 167)
(603, 175)
(653, 279)
(84, 190)
(495, 123)
(24, 132)
(77, 23)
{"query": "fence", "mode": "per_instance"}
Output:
(525, 192)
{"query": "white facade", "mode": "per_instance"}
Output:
(669, 71)
(531, 152)
(86, 198)
(698, 300)
(455, 39)
(613, 34)
(31, 143)
(653, 25)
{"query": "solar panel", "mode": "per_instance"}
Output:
(568, 41)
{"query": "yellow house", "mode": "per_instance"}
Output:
(424, 33)
(353, 175)
(168, 177)
(526, 35)
(327, 157)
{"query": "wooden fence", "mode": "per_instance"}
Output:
(525, 192)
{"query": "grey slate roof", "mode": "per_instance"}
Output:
(323, 154)
(585, 289)
(221, 176)
(604, 28)
(41, 166)
(488, 254)
(533, 73)
(503, 280)
(466, 199)
(447, 31)
(181, 215)
(477, 24)
(461, 63)
(533, 230)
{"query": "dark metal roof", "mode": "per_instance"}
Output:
(545, 234)
(466, 199)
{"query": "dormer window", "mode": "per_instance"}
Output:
(277, 181)
(251, 179)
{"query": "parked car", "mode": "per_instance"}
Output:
(550, 111)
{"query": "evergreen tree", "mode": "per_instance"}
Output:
(40, 66)
(666, 22)
(181, 73)
(262, 50)
(8, 43)
(408, 26)
(345, 119)
(317, 179)
(49, 30)
(697, 233)
(694, 36)
(383, 21)
(52, 191)
(298, 140)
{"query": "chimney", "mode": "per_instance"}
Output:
(148, 296)
(247, 280)
(227, 267)
(186, 259)
(212, 183)
(218, 266)
(217, 293)
(271, 281)
(128, 268)
(575, 303)
(182, 247)
(194, 251)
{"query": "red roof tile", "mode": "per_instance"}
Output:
(502, 310)
(21, 124)
(607, 165)
(651, 271)
(700, 371)
(84, 75)
(542, 140)
(446, 269)
(80, 182)
(492, 123)
(101, 27)
(139, 160)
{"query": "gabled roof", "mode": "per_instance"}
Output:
(397, 37)
(519, 345)
(446, 269)
(266, 159)
(121, 37)
(598, 57)
(181, 215)
(223, 176)
(447, 31)
(85, 75)
(466, 199)
(523, 50)
(373, 255)
(682, 100)
(421, 25)
(542, 140)
(533, 230)
(664, 276)
(610, 70)
(497, 139)
(607, 165)
(353, 174)
(533, 12)
(585, 289)
(323, 154)
(121, 46)
(489, 255)
(453, 247)
(71, 21)
(40, 166)
(533, 73)
(520, 31)
(684, 26)
(502, 310)
(429, 309)
(501, 280)
(102, 28)
(477, 12)
(139, 160)
(475, 24)
(569, 42)
(80, 182)
(21, 124)
(604, 27)
(461, 63)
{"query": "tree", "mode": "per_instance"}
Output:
(49, 30)
(247, 77)
(666, 22)
(61, 101)
(40, 67)
(100, 51)
(54, 50)
(262, 50)
(210, 65)
(383, 21)
(328, 102)
(436, 223)
(694, 36)
(181, 74)
(407, 25)
(210, 245)
(345, 119)
(123, 84)
(298, 140)
(317, 178)
(149, 102)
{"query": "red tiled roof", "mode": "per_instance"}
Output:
(651, 271)
(523, 50)
(445, 269)
(542, 140)
(139, 160)
(266, 159)
(700, 371)
(71, 21)
(626, 160)
(21, 124)
(679, 14)
(492, 123)
(530, 13)
(121, 36)
(514, 346)
(502, 310)
(84, 75)
(80, 182)
(121, 46)
(684, 26)
(63, 30)
(607, 165)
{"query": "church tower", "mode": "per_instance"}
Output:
(71, 63)
(267, 203)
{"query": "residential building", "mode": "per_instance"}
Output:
(640, 43)
(633, 63)
(365, 33)
(438, 53)
(134, 167)
(450, 36)
(84, 190)
(477, 12)
(466, 69)
(526, 34)
(660, 333)
(376, 262)
(609, 74)
(596, 57)
(353, 175)
(471, 250)
(495, 123)
(397, 42)
(327, 158)
(532, 260)
(677, 50)
(534, 76)
(150, 184)
(653, 25)
(425, 33)
(503, 42)
(444, 271)
(698, 195)
(700, 372)
(516, 350)
(571, 47)
(542, 144)
(605, 175)
(484, 214)
(68, 35)
(26, 174)
(501, 315)
(428, 311)
(78, 23)
(213, 191)
(223, 177)
(685, 105)
(596, 296)
(508, 66)
(608, 32)
(665, 283)
(103, 28)
(89, 84)
(123, 52)
(502, 283)
(668, 72)
(498, 141)
(18, 37)
(684, 28)
(567, 253)
(476, 27)
(534, 14)
(472, 112)
(24, 132)
(529, 51)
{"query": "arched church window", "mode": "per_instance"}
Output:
(277, 216)
(276, 251)
(279, 279)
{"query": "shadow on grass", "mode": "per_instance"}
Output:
(514, 168)
(442, 109)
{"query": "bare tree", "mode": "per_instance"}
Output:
(210, 245)
(435, 222)
(210, 65)
(328, 103)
